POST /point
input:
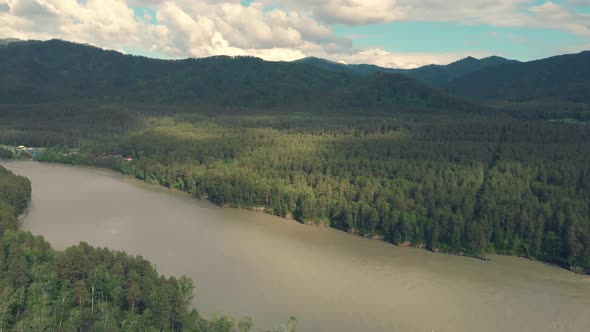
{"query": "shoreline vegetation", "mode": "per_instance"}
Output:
(373, 237)
(123, 166)
(89, 288)
(261, 209)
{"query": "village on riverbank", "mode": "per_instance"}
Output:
(63, 154)
(20, 152)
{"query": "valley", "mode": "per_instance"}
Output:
(486, 158)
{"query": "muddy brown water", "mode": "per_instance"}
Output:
(249, 263)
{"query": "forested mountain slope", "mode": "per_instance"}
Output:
(8, 41)
(33, 71)
(357, 69)
(432, 75)
(565, 78)
(55, 71)
(440, 76)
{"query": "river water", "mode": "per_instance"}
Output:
(249, 263)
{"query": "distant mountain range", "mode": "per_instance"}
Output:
(495, 79)
(35, 71)
(564, 77)
(8, 41)
(435, 75)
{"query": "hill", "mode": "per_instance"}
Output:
(55, 70)
(433, 75)
(564, 78)
(8, 41)
(357, 69)
(439, 76)
(384, 89)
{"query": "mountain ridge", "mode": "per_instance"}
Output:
(441, 75)
(562, 77)
(40, 72)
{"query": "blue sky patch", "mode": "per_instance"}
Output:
(436, 37)
(145, 14)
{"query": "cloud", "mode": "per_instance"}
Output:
(352, 11)
(103, 22)
(405, 60)
(505, 13)
(32, 8)
(270, 29)
(559, 16)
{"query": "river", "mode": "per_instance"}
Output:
(249, 263)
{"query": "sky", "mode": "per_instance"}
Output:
(389, 33)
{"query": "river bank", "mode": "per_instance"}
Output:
(122, 167)
(251, 263)
(374, 237)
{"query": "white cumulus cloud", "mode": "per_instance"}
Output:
(270, 29)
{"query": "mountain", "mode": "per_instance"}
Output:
(357, 69)
(564, 78)
(377, 90)
(433, 75)
(439, 76)
(37, 72)
(8, 41)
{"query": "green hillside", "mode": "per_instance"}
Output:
(564, 78)
(55, 71)
(440, 76)
(432, 75)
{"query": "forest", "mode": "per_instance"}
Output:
(461, 182)
(85, 288)
(54, 71)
